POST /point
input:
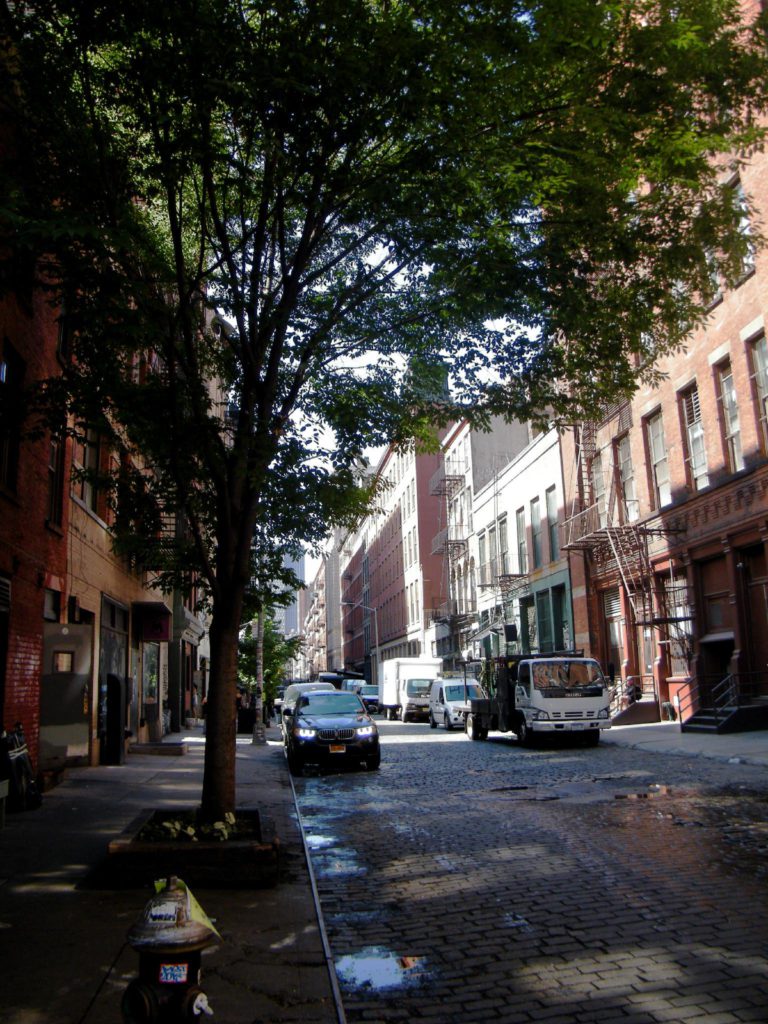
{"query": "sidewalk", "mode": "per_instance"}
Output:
(666, 738)
(63, 952)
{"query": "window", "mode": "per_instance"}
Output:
(503, 547)
(627, 479)
(522, 547)
(696, 453)
(544, 617)
(12, 370)
(748, 256)
(55, 479)
(481, 548)
(598, 490)
(659, 467)
(759, 353)
(86, 456)
(729, 410)
(493, 568)
(677, 610)
(554, 545)
(536, 532)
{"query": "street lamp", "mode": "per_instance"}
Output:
(367, 608)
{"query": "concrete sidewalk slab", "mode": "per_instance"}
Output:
(667, 738)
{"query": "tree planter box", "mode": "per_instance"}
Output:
(250, 862)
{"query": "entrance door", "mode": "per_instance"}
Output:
(65, 697)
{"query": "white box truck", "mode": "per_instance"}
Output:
(404, 687)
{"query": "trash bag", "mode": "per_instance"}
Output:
(16, 766)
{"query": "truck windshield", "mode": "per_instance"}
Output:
(581, 678)
(456, 691)
(418, 687)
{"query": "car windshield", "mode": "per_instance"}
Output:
(293, 692)
(369, 690)
(331, 704)
(456, 691)
(418, 687)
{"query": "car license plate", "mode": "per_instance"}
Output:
(337, 748)
(578, 725)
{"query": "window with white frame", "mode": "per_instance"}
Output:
(522, 544)
(627, 478)
(745, 230)
(503, 547)
(481, 549)
(536, 532)
(759, 358)
(598, 489)
(658, 464)
(554, 542)
(729, 409)
(696, 452)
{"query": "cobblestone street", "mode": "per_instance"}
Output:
(480, 881)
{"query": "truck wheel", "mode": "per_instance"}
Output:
(448, 722)
(432, 722)
(390, 714)
(524, 734)
(592, 738)
(403, 715)
(474, 730)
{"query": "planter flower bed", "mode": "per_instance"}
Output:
(239, 852)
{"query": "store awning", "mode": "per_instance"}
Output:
(154, 620)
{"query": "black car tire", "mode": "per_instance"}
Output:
(432, 722)
(447, 722)
(592, 738)
(372, 763)
(403, 715)
(294, 763)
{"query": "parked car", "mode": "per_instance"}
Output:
(370, 694)
(328, 729)
(446, 697)
(292, 694)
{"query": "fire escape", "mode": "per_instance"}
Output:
(604, 525)
(452, 541)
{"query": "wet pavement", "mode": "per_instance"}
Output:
(482, 882)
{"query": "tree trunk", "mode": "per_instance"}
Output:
(259, 732)
(221, 716)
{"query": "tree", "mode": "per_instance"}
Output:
(278, 652)
(522, 196)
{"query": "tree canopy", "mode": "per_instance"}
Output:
(358, 218)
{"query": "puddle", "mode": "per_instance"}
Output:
(516, 921)
(320, 842)
(377, 968)
(339, 862)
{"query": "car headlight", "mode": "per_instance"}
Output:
(540, 715)
(304, 733)
(366, 730)
(603, 713)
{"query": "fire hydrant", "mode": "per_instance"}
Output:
(169, 937)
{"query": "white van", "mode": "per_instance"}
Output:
(446, 697)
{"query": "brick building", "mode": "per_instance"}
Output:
(391, 579)
(667, 505)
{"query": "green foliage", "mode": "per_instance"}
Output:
(277, 654)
